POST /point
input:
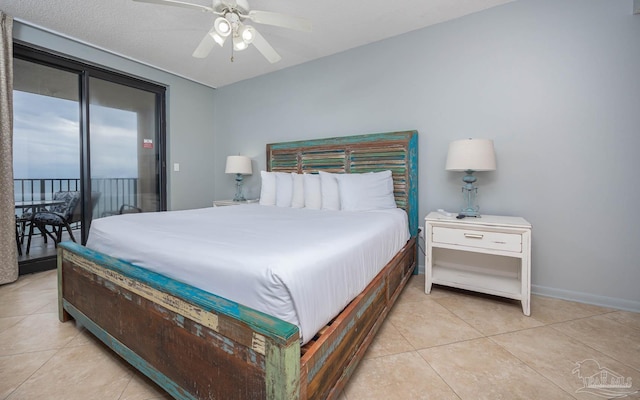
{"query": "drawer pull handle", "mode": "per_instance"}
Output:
(473, 236)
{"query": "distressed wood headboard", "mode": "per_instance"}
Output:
(395, 151)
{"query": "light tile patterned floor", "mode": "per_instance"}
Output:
(447, 345)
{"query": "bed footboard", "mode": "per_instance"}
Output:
(193, 344)
(197, 345)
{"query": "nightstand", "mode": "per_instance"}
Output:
(222, 203)
(490, 254)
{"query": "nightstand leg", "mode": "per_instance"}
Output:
(428, 277)
(526, 307)
(428, 270)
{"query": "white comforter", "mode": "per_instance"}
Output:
(302, 266)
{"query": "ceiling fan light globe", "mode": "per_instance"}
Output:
(222, 26)
(239, 44)
(247, 33)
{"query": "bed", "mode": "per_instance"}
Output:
(199, 345)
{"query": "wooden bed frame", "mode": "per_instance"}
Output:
(197, 345)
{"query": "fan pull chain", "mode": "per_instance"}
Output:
(232, 53)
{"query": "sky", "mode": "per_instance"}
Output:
(46, 139)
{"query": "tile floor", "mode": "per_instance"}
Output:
(447, 345)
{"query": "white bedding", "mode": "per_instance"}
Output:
(302, 266)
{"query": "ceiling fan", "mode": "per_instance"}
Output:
(232, 15)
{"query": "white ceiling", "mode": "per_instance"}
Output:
(165, 36)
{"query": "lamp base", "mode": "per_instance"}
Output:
(470, 213)
(469, 193)
(239, 196)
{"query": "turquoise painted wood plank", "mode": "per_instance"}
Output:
(413, 185)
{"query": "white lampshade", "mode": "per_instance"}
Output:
(238, 165)
(471, 155)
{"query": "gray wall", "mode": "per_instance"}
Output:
(554, 83)
(189, 117)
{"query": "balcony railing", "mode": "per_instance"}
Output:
(114, 191)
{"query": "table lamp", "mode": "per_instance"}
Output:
(471, 155)
(239, 165)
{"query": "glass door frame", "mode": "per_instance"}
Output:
(85, 71)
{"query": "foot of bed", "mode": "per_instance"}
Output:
(64, 316)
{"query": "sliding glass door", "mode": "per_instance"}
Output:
(124, 147)
(80, 130)
(46, 151)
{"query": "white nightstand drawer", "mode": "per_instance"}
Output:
(482, 239)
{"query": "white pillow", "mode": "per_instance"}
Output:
(364, 192)
(284, 189)
(268, 189)
(312, 191)
(297, 200)
(330, 191)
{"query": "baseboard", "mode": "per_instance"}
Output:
(581, 297)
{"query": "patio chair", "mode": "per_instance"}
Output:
(18, 242)
(58, 217)
(23, 222)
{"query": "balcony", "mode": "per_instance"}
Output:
(114, 192)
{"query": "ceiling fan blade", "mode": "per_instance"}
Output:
(281, 20)
(204, 48)
(265, 48)
(176, 3)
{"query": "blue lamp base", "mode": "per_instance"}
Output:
(469, 194)
(239, 196)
